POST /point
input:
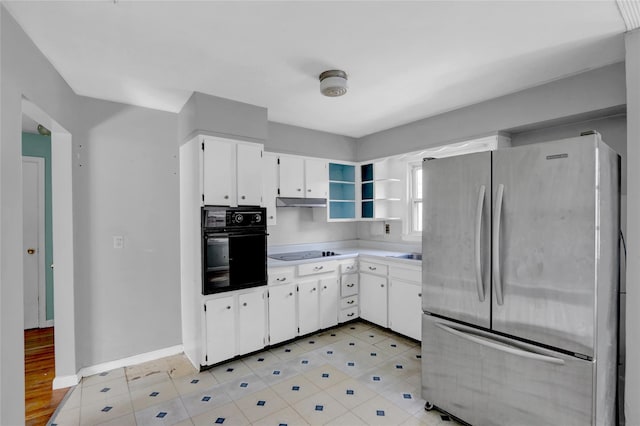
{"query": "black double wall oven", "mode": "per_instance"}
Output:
(234, 248)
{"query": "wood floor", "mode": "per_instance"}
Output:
(39, 365)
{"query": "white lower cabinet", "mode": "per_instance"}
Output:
(405, 308)
(373, 298)
(308, 307)
(282, 313)
(235, 325)
(329, 294)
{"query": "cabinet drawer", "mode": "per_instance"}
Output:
(348, 285)
(348, 314)
(349, 302)
(317, 268)
(280, 276)
(373, 268)
(406, 274)
(347, 268)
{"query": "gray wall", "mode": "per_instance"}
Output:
(288, 139)
(297, 225)
(599, 89)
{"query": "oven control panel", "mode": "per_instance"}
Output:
(218, 217)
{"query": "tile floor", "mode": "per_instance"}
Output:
(356, 374)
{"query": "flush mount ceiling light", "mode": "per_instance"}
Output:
(333, 83)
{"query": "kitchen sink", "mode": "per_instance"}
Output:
(412, 256)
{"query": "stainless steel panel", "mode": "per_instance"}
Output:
(452, 244)
(485, 379)
(547, 246)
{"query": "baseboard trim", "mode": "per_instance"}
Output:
(61, 382)
(66, 381)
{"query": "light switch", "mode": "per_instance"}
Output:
(118, 241)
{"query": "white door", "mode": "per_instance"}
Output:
(33, 241)
(291, 176)
(282, 313)
(316, 178)
(249, 174)
(251, 321)
(308, 312)
(329, 302)
(221, 329)
(219, 172)
(373, 299)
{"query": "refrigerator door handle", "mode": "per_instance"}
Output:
(504, 347)
(478, 234)
(497, 214)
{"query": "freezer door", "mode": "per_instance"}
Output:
(485, 379)
(456, 237)
(544, 243)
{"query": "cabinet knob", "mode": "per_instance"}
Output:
(325, 287)
(228, 307)
(350, 267)
(313, 289)
(381, 285)
(290, 294)
(308, 190)
(226, 197)
(243, 197)
(244, 304)
(317, 268)
(270, 217)
(419, 294)
(299, 189)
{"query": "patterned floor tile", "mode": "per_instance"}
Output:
(307, 362)
(372, 336)
(319, 409)
(376, 380)
(126, 420)
(404, 396)
(153, 395)
(351, 393)
(73, 398)
(288, 351)
(355, 328)
(434, 418)
(230, 371)
(260, 404)
(347, 419)
(260, 360)
(103, 377)
(201, 402)
(164, 413)
(104, 411)
(179, 366)
(325, 376)
(285, 417)
(276, 373)
(186, 385)
(152, 378)
(392, 346)
(101, 391)
(239, 388)
(67, 417)
(381, 411)
(295, 389)
(226, 414)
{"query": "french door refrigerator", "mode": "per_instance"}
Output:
(520, 278)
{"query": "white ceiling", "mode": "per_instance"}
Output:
(405, 60)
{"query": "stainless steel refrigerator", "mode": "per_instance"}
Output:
(520, 279)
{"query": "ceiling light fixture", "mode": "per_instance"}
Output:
(333, 83)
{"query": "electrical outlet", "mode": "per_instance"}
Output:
(118, 241)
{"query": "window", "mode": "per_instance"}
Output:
(415, 198)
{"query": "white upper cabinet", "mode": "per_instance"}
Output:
(249, 163)
(232, 172)
(303, 177)
(316, 178)
(218, 171)
(270, 185)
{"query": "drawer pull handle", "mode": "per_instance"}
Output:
(372, 268)
(351, 314)
(281, 279)
(317, 268)
(350, 285)
(351, 302)
(350, 267)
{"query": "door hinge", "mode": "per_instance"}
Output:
(278, 161)
(278, 191)
(260, 154)
(298, 330)
(268, 294)
(203, 146)
(206, 358)
(202, 197)
(205, 308)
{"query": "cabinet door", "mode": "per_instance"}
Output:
(220, 329)
(291, 176)
(282, 313)
(308, 307)
(270, 186)
(249, 174)
(251, 321)
(373, 299)
(316, 178)
(329, 291)
(218, 172)
(405, 308)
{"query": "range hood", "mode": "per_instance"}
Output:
(300, 202)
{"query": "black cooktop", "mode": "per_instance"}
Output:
(302, 255)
